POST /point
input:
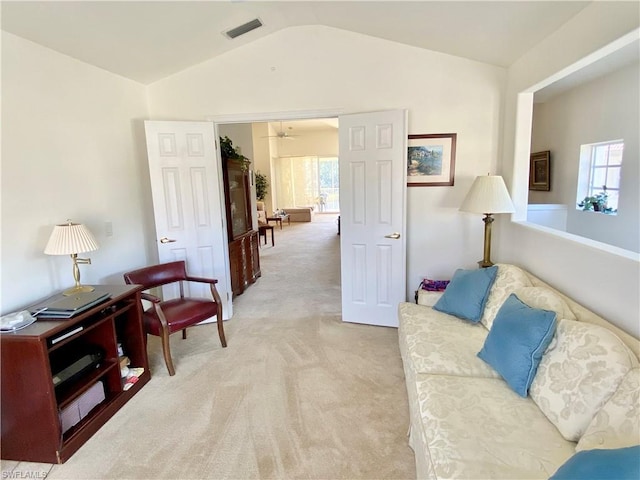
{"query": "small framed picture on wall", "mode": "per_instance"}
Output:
(540, 171)
(431, 160)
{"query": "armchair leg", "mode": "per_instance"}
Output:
(184, 333)
(219, 315)
(166, 351)
(223, 340)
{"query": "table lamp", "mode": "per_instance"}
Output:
(71, 239)
(488, 195)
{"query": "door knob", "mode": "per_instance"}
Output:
(394, 235)
(166, 240)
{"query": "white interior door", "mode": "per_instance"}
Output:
(187, 204)
(373, 152)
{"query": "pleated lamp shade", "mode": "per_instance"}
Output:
(487, 195)
(70, 238)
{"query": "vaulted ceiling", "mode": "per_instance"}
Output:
(147, 40)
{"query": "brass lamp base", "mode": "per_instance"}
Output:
(76, 276)
(79, 289)
(486, 261)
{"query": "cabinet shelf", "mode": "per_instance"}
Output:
(68, 393)
(31, 404)
(77, 429)
(74, 331)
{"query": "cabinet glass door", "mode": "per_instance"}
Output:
(238, 200)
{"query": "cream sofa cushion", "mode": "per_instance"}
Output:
(579, 374)
(428, 298)
(546, 299)
(508, 279)
(437, 343)
(477, 428)
(617, 424)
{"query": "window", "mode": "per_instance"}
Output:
(329, 182)
(307, 181)
(599, 176)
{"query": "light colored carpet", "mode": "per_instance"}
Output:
(296, 394)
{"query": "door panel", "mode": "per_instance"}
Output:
(373, 149)
(185, 185)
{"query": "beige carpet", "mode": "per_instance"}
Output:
(296, 394)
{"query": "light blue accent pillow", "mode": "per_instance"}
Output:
(616, 464)
(467, 292)
(516, 342)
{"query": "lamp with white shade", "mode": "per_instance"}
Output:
(71, 239)
(488, 195)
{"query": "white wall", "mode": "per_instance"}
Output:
(322, 143)
(262, 159)
(321, 68)
(604, 109)
(552, 215)
(563, 262)
(72, 147)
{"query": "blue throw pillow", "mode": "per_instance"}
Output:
(618, 464)
(467, 292)
(516, 342)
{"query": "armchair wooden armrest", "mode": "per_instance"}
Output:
(212, 284)
(149, 297)
(201, 279)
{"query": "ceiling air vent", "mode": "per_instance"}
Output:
(242, 29)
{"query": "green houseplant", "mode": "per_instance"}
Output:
(229, 152)
(262, 184)
(597, 202)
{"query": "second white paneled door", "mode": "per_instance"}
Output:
(373, 152)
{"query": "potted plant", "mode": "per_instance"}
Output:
(229, 152)
(597, 202)
(262, 184)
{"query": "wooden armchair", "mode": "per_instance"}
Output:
(166, 317)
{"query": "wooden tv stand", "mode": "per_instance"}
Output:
(30, 404)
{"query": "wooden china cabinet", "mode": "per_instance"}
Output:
(243, 240)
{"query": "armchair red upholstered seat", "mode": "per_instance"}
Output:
(166, 317)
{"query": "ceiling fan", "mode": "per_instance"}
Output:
(282, 134)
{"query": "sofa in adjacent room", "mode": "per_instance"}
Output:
(554, 379)
(300, 214)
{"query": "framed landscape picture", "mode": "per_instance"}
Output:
(540, 171)
(431, 160)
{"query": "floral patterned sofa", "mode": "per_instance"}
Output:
(466, 421)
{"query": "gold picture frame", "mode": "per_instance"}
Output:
(540, 171)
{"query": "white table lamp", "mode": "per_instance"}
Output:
(488, 195)
(71, 239)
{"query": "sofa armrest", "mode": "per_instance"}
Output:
(427, 298)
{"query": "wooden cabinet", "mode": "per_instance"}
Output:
(244, 262)
(243, 240)
(31, 404)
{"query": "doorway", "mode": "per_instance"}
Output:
(299, 160)
(374, 166)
